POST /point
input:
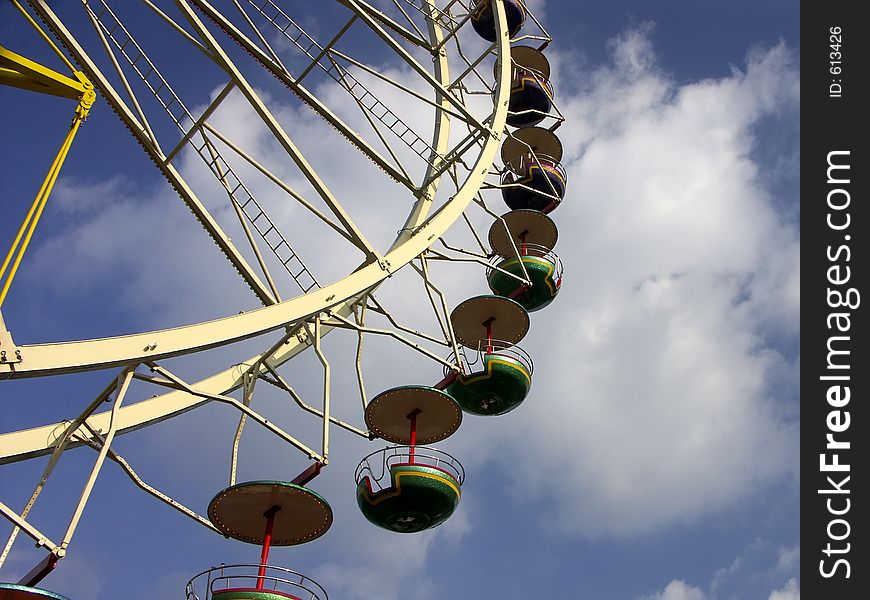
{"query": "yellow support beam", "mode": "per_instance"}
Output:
(22, 239)
(19, 71)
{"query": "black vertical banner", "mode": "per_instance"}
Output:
(835, 373)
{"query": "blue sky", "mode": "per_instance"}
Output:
(656, 458)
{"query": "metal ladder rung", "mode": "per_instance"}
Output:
(269, 231)
(230, 177)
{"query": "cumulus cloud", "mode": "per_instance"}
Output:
(391, 572)
(760, 567)
(121, 236)
(658, 407)
(790, 591)
(789, 558)
(678, 589)
(749, 575)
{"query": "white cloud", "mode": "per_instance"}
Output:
(789, 558)
(758, 568)
(163, 270)
(678, 589)
(391, 571)
(657, 407)
(790, 591)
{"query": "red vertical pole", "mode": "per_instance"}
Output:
(413, 440)
(489, 334)
(267, 543)
(524, 248)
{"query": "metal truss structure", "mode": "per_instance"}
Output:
(439, 169)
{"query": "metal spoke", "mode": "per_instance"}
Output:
(387, 22)
(415, 65)
(310, 99)
(238, 192)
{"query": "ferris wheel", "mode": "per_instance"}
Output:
(448, 103)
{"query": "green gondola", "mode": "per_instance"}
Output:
(419, 488)
(544, 273)
(499, 388)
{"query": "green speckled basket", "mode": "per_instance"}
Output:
(419, 497)
(499, 388)
(249, 594)
(541, 273)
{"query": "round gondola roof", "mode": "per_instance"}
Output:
(240, 512)
(530, 59)
(530, 139)
(522, 226)
(508, 321)
(437, 417)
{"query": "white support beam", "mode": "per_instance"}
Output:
(281, 136)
